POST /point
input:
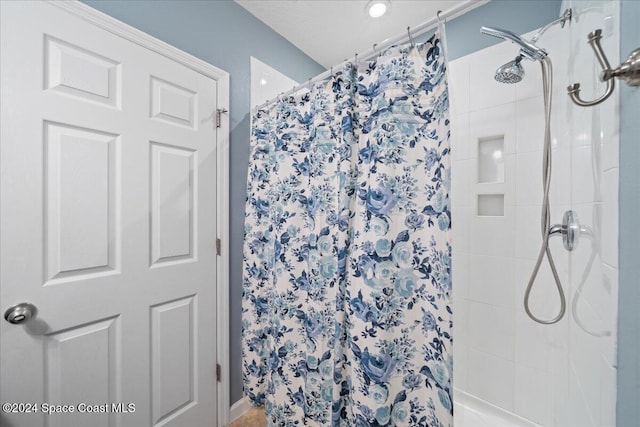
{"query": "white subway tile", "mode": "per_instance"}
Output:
(460, 183)
(560, 191)
(585, 353)
(460, 227)
(529, 178)
(561, 410)
(459, 85)
(491, 378)
(610, 131)
(530, 124)
(460, 364)
(491, 280)
(580, 413)
(490, 122)
(506, 358)
(492, 329)
(529, 185)
(580, 122)
(610, 156)
(484, 90)
(460, 275)
(493, 235)
(584, 177)
(460, 143)
(610, 314)
(610, 184)
(461, 321)
(594, 286)
(544, 300)
(533, 398)
(561, 124)
(608, 394)
(528, 235)
(542, 347)
(531, 85)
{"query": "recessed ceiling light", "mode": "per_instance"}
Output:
(377, 8)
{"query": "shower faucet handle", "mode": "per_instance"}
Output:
(570, 230)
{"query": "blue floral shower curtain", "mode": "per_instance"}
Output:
(347, 268)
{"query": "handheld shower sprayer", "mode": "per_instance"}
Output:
(512, 72)
(527, 49)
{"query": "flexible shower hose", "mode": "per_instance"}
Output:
(547, 83)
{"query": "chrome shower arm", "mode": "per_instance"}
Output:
(566, 16)
(527, 49)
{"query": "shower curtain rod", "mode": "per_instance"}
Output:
(401, 38)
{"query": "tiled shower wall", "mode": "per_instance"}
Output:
(554, 375)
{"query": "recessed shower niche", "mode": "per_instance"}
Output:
(491, 170)
(491, 159)
(490, 204)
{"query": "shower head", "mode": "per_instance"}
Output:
(511, 72)
(527, 49)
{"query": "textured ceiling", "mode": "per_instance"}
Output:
(330, 31)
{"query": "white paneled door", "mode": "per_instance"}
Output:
(108, 216)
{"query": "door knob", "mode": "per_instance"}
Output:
(20, 313)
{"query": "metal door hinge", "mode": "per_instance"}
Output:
(218, 247)
(218, 372)
(219, 112)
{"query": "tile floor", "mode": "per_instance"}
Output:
(465, 416)
(254, 418)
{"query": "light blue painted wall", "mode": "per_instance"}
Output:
(225, 35)
(628, 411)
(519, 16)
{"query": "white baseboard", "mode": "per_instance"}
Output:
(239, 408)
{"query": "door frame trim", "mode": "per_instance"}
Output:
(127, 32)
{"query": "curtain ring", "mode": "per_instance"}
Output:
(309, 82)
(331, 71)
(410, 37)
(375, 50)
(438, 16)
(355, 58)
